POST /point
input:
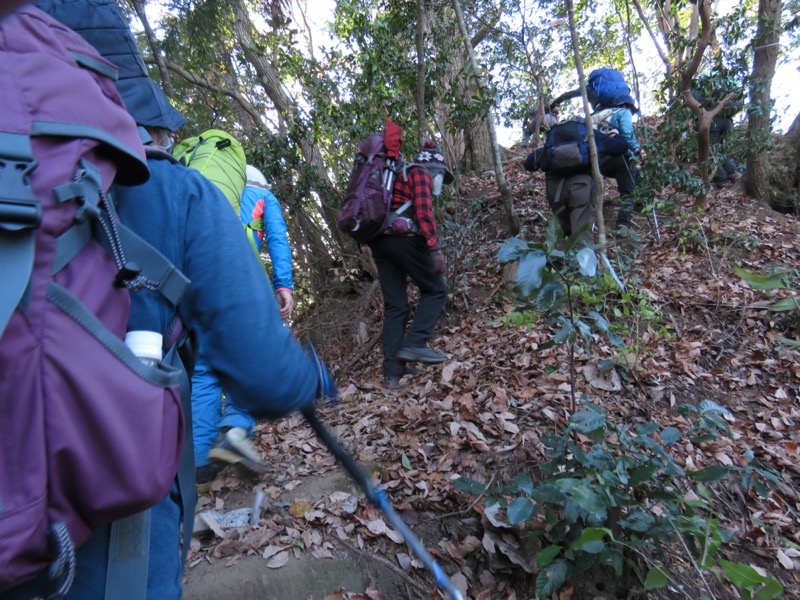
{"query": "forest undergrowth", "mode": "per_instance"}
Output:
(501, 459)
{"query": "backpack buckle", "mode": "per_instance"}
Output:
(85, 187)
(19, 207)
(127, 273)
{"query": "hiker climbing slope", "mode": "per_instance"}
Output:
(614, 108)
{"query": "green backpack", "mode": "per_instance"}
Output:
(220, 158)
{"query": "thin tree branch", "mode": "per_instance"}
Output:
(200, 82)
(166, 83)
(646, 23)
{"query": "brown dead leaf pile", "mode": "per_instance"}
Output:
(482, 413)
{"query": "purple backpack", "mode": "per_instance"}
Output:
(365, 211)
(88, 432)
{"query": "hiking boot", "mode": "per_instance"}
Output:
(233, 447)
(203, 476)
(392, 382)
(623, 220)
(423, 355)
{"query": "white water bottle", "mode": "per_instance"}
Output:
(146, 345)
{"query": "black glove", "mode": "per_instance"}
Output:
(439, 266)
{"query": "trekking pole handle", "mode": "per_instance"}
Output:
(380, 499)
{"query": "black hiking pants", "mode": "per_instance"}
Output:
(625, 175)
(399, 257)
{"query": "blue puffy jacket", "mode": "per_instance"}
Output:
(262, 217)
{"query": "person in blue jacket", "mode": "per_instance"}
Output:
(262, 218)
(223, 434)
(616, 116)
(624, 169)
(187, 219)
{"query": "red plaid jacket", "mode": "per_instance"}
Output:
(415, 185)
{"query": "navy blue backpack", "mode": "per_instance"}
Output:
(566, 150)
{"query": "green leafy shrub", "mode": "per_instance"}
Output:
(789, 306)
(611, 497)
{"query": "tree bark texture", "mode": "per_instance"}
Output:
(270, 79)
(511, 217)
(764, 61)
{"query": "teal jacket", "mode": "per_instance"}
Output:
(621, 119)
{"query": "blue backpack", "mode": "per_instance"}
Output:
(607, 87)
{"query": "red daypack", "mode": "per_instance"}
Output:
(88, 433)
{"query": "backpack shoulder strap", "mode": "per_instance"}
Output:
(20, 216)
(161, 275)
(128, 557)
(407, 165)
(158, 153)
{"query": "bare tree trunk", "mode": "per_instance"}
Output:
(421, 127)
(166, 83)
(794, 130)
(270, 79)
(597, 190)
(512, 219)
(764, 61)
(704, 117)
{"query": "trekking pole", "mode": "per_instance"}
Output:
(380, 500)
(655, 221)
(610, 268)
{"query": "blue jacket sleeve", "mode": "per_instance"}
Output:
(623, 121)
(277, 242)
(230, 304)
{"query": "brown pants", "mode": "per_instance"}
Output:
(570, 199)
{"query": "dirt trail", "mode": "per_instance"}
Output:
(302, 576)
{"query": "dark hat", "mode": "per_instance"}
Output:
(627, 101)
(433, 160)
(100, 22)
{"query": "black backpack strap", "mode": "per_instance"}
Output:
(169, 281)
(128, 558)
(20, 216)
